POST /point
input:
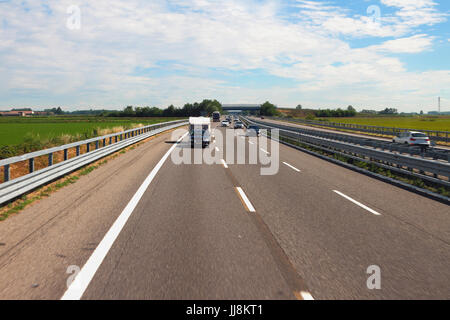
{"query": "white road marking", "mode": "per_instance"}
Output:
(357, 203)
(217, 149)
(292, 167)
(224, 164)
(251, 142)
(86, 274)
(245, 199)
(265, 151)
(306, 295)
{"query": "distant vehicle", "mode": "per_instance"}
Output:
(253, 131)
(413, 138)
(238, 125)
(262, 117)
(216, 116)
(200, 131)
(225, 123)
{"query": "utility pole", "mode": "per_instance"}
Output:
(439, 105)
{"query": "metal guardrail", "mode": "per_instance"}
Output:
(397, 162)
(442, 136)
(432, 153)
(12, 189)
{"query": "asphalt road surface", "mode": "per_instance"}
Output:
(143, 227)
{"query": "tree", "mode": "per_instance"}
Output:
(268, 109)
(169, 112)
(389, 111)
(128, 112)
(299, 107)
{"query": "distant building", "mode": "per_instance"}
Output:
(17, 113)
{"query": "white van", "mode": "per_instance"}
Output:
(200, 131)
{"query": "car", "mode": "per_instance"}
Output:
(413, 138)
(238, 125)
(253, 131)
(225, 123)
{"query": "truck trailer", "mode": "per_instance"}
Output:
(200, 131)
(216, 116)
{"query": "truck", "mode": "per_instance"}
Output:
(200, 131)
(216, 116)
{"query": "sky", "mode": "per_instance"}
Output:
(371, 54)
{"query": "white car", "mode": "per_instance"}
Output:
(225, 123)
(238, 125)
(413, 138)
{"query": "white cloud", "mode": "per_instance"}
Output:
(99, 64)
(414, 44)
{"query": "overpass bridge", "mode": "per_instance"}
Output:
(241, 107)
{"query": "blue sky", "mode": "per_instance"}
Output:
(111, 53)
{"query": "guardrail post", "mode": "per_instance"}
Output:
(66, 154)
(104, 142)
(7, 173)
(50, 159)
(31, 165)
(88, 147)
(97, 145)
(78, 151)
(110, 140)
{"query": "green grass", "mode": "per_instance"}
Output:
(15, 130)
(19, 135)
(419, 123)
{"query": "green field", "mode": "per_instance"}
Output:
(13, 131)
(419, 123)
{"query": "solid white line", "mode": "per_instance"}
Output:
(294, 168)
(264, 151)
(245, 199)
(306, 295)
(357, 203)
(84, 277)
(224, 164)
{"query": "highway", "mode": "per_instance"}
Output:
(224, 231)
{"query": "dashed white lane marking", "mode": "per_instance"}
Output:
(77, 288)
(358, 203)
(217, 149)
(265, 151)
(306, 295)
(292, 167)
(224, 164)
(244, 198)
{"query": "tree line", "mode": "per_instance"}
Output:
(204, 108)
